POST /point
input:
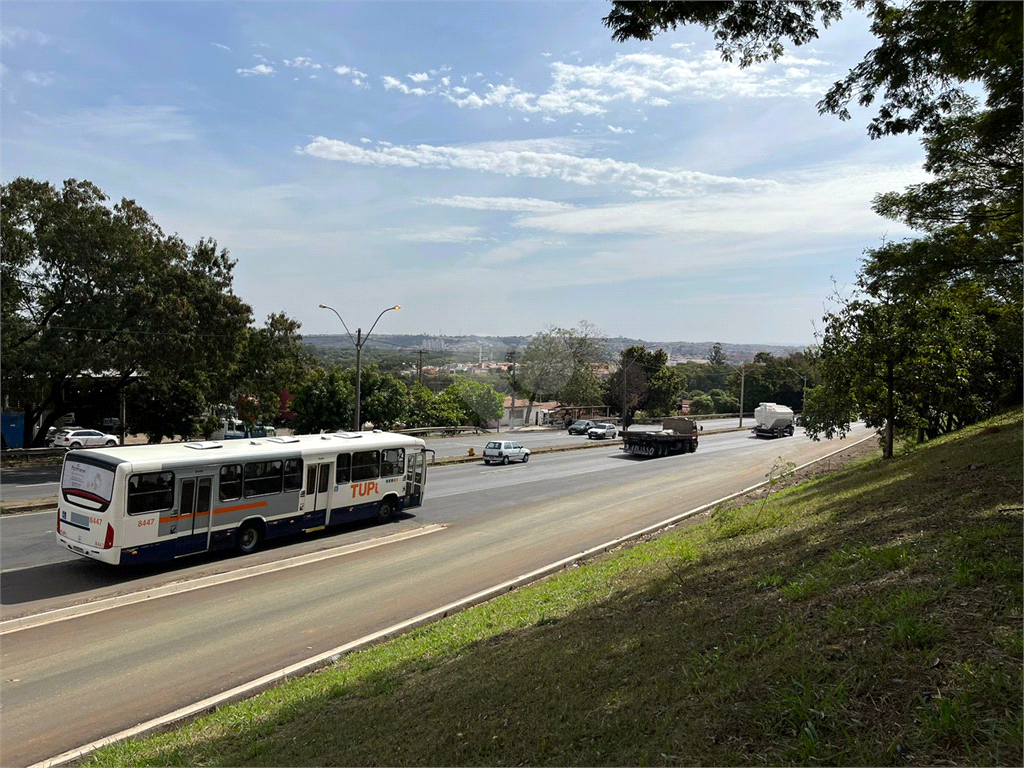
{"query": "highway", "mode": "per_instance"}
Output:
(23, 483)
(479, 527)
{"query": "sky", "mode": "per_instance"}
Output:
(495, 168)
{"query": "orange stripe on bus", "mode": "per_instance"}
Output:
(237, 508)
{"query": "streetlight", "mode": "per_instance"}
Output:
(359, 340)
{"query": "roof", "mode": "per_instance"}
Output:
(221, 451)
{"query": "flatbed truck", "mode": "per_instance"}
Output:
(678, 434)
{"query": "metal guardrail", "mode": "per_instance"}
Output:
(442, 430)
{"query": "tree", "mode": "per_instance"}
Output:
(546, 367)
(702, 405)
(272, 359)
(324, 401)
(723, 402)
(921, 364)
(665, 389)
(629, 387)
(480, 402)
(96, 292)
(429, 410)
(586, 347)
(716, 356)
(385, 399)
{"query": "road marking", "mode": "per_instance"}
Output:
(247, 690)
(74, 611)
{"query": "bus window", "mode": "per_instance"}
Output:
(392, 462)
(341, 474)
(262, 478)
(150, 492)
(230, 482)
(365, 465)
(293, 475)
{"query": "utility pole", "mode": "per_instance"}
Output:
(512, 408)
(421, 367)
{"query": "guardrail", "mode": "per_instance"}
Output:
(442, 430)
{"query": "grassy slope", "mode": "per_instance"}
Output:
(869, 617)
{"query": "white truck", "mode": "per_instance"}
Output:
(773, 420)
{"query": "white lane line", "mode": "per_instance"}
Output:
(247, 690)
(74, 611)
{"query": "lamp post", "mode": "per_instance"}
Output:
(359, 340)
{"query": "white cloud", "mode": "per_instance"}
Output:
(586, 171)
(418, 77)
(259, 69)
(16, 35)
(144, 124)
(615, 129)
(831, 200)
(40, 78)
(301, 62)
(499, 203)
(393, 83)
(447, 235)
(218, 45)
(643, 78)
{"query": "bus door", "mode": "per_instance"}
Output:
(194, 515)
(318, 486)
(415, 479)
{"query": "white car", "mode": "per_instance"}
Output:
(84, 438)
(504, 451)
(601, 431)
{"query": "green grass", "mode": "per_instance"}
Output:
(872, 616)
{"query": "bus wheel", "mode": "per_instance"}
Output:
(385, 510)
(247, 540)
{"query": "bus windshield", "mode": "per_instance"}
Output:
(87, 483)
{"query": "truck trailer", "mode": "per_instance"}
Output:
(677, 435)
(773, 420)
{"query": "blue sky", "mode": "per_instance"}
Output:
(495, 168)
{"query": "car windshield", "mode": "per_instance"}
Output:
(581, 423)
(493, 444)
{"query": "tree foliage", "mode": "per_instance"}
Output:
(630, 387)
(480, 402)
(93, 291)
(923, 364)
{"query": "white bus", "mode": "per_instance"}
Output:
(150, 503)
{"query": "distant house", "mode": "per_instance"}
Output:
(515, 412)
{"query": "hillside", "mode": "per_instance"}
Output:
(494, 347)
(871, 616)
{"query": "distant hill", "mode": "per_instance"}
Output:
(494, 347)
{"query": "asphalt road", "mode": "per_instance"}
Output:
(24, 483)
(481, 526)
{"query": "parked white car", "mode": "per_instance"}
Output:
(601, 431)
(84, 438)
(504, 451)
